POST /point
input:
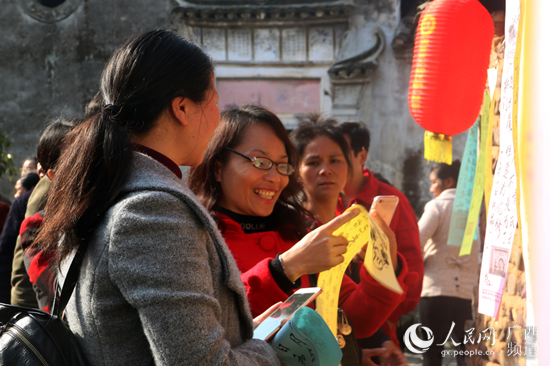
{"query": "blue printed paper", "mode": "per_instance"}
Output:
(306, 340)
(464, 189)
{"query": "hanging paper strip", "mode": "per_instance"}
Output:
(477, 194)
(530, 126)
(502, 217)
(358, 231)
(464, 188)
(517, 63)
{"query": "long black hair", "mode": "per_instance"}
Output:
(138, 84)
(52, 141)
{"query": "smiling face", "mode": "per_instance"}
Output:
(248, 190)
(323, 169)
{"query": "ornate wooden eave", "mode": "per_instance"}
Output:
(278, 12)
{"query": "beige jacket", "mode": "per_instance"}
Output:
(445, 273)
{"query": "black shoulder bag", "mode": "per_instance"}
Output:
(34, 337)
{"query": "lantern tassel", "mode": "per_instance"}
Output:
(438, 147)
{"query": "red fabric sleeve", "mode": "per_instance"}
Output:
(368, 304)
(261, 289)
(4, 209)
(40, 266)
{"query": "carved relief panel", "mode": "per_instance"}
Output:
(275, 45)
(275, 53)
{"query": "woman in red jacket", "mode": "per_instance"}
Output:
(248, 180)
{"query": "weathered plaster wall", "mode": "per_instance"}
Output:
(47, 70)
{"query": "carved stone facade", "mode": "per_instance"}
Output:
(273, 53)
(49, 11)
(345, 58)
(358, 59)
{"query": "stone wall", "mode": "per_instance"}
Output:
(50, 68)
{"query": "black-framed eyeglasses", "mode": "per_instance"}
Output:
(266, 163)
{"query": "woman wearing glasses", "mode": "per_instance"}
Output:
(249, 181)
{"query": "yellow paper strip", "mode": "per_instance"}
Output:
(378, 259)
(517, 65)
(358, 233)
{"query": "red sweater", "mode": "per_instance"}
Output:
(405, 226)
(366, 305)
(40, 266)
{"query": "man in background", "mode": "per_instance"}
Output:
(361, 189)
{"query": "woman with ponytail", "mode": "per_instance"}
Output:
(157, 284)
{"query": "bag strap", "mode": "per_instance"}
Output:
(69, 284)
(74, 270)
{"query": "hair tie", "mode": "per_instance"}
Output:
(113, 109)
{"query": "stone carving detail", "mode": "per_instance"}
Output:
(314, 44)
(240, 44)
(46, 14)
(358, 59)
(290, 11)
(294, 44)
(359, 62)
(195, 35)
(213, 40)
(321, 44)
(266, 44)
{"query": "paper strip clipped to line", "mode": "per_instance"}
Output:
(358, 231)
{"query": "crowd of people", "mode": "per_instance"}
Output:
(179, 271)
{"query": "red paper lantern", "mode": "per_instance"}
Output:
(451, 57)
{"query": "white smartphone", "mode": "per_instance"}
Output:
(269, 327)
(385, 206)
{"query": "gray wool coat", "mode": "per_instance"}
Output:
(158, 284)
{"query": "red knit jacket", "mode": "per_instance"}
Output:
(40, 266)
(405, 226)
(366, 305)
